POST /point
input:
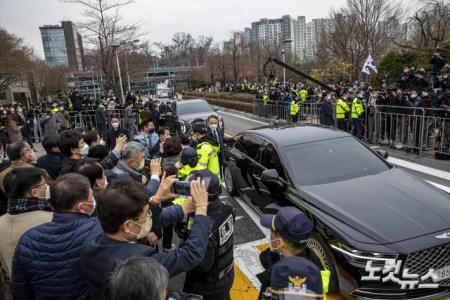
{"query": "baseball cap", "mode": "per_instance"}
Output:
(297, 278)
(290, 223)
(187, 154)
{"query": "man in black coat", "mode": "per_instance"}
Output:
(326, 111)
(100, 119)
(115, 131)
(51, 162)
(216, 133)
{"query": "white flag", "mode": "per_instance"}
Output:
(369, 66)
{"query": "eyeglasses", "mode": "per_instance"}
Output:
(148, 215)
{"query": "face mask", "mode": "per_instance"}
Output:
(213, 127)
(151, 131)
(141, 165)
(47, 192)
(270, 244)
(94, 205)
(19, 110)
(61, 108)
(145, 228)
(5, 112)
(115, 125)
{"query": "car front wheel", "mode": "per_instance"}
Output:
(321, 249)
(229, 182)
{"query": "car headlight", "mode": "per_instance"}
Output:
(182, 127)
(362, 257)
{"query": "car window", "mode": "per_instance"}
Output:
(270, 159)
(331, 161)
(193, 107)
(249, 144)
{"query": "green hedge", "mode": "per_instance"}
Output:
(237, 105)
(249, 98)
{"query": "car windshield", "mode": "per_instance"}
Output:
(331, 161)
(192, 107)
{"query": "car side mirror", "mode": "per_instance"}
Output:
(216, 109)
(383, 153)
(270, 175)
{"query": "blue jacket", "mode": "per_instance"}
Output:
(46, 262)
(326, 113)
(100, 255)
(51, 162)
(144, 140)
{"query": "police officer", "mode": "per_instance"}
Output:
(206, 147)
(188, 163)
(213, 277)
(357, 117)
(342, 110)
(296, 278)
(294, 110)
(289, 233)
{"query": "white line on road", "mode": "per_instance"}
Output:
(245, 118)
(440, 186)
(419, 168)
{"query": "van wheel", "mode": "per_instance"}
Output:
(323, 252)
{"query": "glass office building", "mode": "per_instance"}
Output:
(63, 46)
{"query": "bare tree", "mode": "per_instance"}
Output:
(103, 28)
(15, 59)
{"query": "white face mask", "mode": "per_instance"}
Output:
(141, 165)
(19, 110)
(47, 193)
(213, 127)
(270, 244)
(115, 125)
(145, 228)
(94, 205)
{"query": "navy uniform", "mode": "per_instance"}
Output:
(213, 277)
(296, 278)
(291, 225)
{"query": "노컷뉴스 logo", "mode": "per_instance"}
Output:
(445, 235)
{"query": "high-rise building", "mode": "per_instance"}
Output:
(63, 46)
(307, 36)
(273, 30)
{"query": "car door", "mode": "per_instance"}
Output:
(269, 192)
(245, 155)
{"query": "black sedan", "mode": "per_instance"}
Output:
(178, 115)
(363, 208)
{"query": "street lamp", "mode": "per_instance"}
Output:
(126, 61)
(116, 47)
(284, 58)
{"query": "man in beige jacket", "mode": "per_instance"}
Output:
(27, 193)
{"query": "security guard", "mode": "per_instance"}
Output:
(294, 110)
(296, 278)
(213, 277)
(188, 163)
(303, 95)
(290, 230)
(206, 147)
(357, 117)
(342, 110)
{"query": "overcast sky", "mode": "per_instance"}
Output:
(161, 19)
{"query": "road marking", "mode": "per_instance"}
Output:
(440, 186)
(245, 118)
(419, 168)
(252, 214)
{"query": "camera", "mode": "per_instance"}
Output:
(184, 187)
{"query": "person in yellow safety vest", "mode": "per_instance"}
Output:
(242, 88)
(303, 95)
(266, 99)
(357, 117)
(294, 110)
(342, 110)
(252, 88)
(290, 230)
(206, 147)
(55, 108)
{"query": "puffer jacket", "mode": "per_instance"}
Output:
(46, 263)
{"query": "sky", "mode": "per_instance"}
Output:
(161, 19)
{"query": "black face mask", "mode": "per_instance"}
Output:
(150, 131)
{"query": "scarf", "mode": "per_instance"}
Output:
(24, 205)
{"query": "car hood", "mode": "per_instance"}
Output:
(192, 117)
(389, 207)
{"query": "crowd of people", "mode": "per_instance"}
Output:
(95, 216)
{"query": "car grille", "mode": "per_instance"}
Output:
(421, 261)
